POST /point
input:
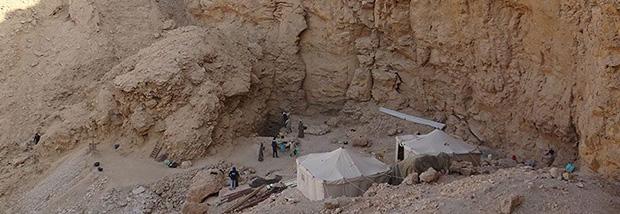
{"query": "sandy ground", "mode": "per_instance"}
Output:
(127, 167)
(244, 152)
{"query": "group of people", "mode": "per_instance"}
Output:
(278, 143)
(286, 123)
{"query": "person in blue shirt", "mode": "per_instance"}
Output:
(234, 178)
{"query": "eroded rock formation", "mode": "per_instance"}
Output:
(521, 76)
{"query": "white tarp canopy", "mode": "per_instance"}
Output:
(338, 173)
(412, 118)
(433, 143)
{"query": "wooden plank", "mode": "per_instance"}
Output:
(227, 195)
(245, 199)
(414, 119)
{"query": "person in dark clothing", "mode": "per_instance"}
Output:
(301, 129)
(285, 118)
(286, 121)
(36, 138)
(549, 158)
(234, 178)
(260, 152)
(274, 147)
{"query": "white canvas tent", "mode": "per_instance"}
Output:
(338, 173)
(434, 143)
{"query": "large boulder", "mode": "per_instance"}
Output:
(411, 179)
(429, 176)
(205, 183)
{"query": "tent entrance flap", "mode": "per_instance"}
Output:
(400, 153)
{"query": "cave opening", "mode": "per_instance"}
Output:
(271, 125)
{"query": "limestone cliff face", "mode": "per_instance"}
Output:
(520, 75)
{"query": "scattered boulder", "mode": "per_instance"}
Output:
(580, 185)
(359, 141)
(420, 164)
(412, 178)
(509, 204)
(429, 175)
(186, 164)
(555, 172)
(567, 176)
(394, 132)
(97, 164)
(138, 190)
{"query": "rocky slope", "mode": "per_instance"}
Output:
(520, 75)
(535, 190)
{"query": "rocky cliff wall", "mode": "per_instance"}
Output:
(519, 75)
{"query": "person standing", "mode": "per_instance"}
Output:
(295, 149)
(286, 121)
(36, 138)
(260, 152)
(548, 158)
(234, 178)
(285, 117)
(282, 144)
(301, 129)
(274, 148)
